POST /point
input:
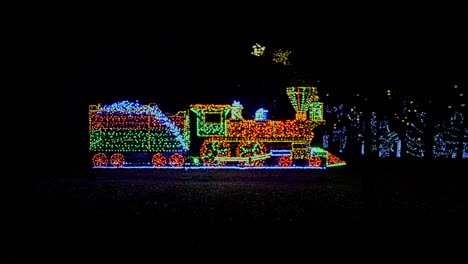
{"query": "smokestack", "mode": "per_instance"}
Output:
(301, 97)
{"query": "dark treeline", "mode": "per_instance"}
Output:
(395, 125)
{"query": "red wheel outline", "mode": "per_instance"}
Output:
(315, 161)
(176, 160)
(285, 161)
(100, 160)
(158, 160)
(117, 160)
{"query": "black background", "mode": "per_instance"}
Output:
(70, 58)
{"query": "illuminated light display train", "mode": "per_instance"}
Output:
(131, 134)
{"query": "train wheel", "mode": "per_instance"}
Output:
(117, 160)
(212, 148)
(285, 161)
(100, 160)
(315, 161)
(251, 149)
(176, 160)
(158, 160)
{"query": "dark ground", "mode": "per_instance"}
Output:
(378, 211)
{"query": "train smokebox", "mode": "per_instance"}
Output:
(301, 98)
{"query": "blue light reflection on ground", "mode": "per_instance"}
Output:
(215, 168)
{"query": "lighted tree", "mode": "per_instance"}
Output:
(447, 136)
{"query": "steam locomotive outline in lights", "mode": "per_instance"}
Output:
(208, 135)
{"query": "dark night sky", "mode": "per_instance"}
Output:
(104, 55)
(71, 58)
